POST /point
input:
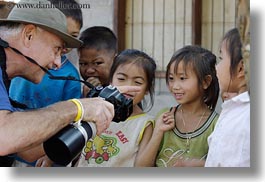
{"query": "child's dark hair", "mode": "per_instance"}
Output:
(142, 60)
(70, 8)
(203, 62)
(99, 38)
(233, 46)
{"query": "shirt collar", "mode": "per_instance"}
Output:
(241, 98)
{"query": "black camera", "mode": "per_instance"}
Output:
(67, 144)
(123, 106)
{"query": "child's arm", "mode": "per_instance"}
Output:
(151, 140)
(142, 158)
(94, 81)
(44, 161)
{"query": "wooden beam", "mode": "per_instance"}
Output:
(196, 22)
(119, 22)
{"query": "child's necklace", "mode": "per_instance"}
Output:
(188, 140)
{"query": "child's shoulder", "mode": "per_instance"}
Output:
(148, 116)
(142, 116)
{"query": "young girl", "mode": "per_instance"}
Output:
(123, 143)
(229, 144)
(180, 135)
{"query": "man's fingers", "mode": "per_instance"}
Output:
(104, 116)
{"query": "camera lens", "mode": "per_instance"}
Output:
(65, 146)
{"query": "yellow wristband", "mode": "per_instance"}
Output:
(80, 109)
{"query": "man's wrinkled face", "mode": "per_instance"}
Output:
(46, 49)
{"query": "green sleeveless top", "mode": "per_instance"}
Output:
(185, 145)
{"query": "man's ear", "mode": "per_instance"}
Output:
(28, 34)
(206, 82)
(241, 69)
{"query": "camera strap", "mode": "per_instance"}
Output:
(3, 45)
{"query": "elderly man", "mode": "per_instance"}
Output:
(32, 40)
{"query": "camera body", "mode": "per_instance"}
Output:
(123, 106)
(68, 143)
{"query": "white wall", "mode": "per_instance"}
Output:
(99, 14)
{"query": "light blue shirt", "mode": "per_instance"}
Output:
(4, 100)
(48, 91)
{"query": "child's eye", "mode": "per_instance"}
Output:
(138, 83)
(121, 79)
(57, 51)
(82, 64)
(170, 78)
(75, 35)
(98, 63)
(182, 78)
(220, 58)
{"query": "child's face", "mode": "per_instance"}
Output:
(73, 28)
(223, 69)
(97, 64)
(131, 75)
(184, 84)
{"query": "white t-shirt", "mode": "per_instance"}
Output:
(118, 145)
(229, 144)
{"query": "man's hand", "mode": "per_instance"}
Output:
(98, 111)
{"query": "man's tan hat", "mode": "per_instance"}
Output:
(42, 14)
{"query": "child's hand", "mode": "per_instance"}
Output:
(44, 161)
(166, 121)
(85, 90)
(129, 91)
(94, 81)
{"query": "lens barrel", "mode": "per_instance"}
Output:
(67, 144)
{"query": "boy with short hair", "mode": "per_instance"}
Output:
(96, 55)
